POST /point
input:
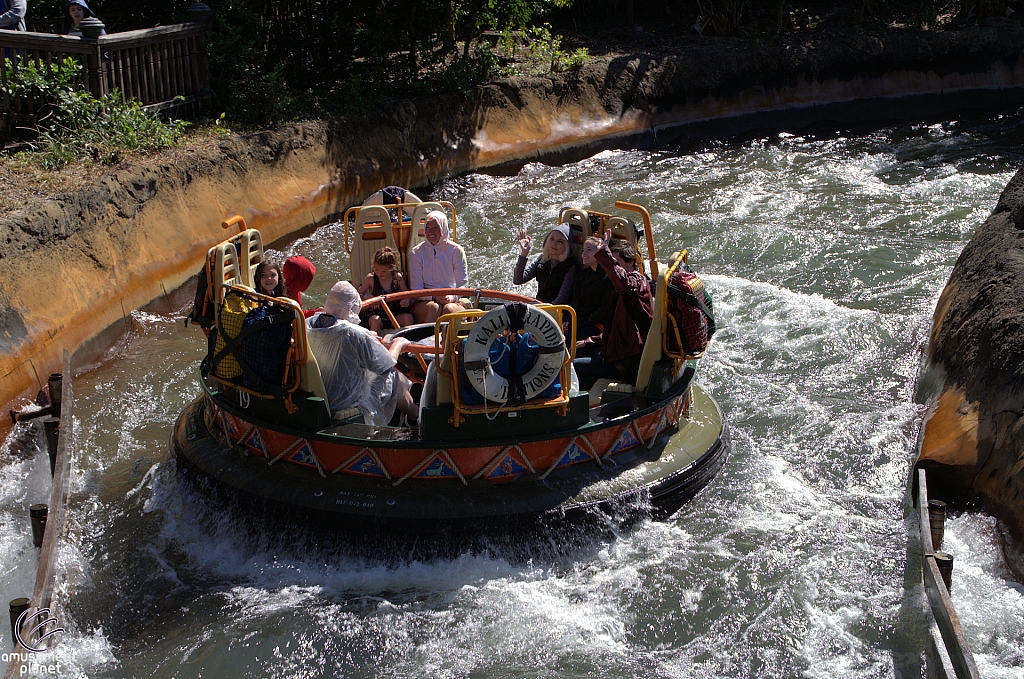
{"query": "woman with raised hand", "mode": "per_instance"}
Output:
(554, 268)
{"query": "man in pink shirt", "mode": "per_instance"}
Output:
(437, 262)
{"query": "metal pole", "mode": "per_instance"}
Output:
(38, 515)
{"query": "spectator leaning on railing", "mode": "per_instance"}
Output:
(12, 15)
(74, 12)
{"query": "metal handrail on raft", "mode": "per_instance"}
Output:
(940, 604)
(42, 595)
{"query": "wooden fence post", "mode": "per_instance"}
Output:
(91, 28)
(201, 13)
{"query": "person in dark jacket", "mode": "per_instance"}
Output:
(74, 12)
(12, 15)
(591, 293)
(554, 269)
(628, 318)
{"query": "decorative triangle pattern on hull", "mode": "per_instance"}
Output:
(304, 455)
(626, 441)
(507, 468)
(437, 468)
(366, 466)
(255, 441)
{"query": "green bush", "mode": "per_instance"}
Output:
(76, 125)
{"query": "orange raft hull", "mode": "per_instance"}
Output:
(495, 463)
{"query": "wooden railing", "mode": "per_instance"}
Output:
(55, 532)
(161, 67)
(953, 639)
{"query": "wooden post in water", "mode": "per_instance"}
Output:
(939, 603)
(42, 595)
(18, 607)
(52, 427)
(38, 515)
(944, 560)
(937, 519)
(53, 385)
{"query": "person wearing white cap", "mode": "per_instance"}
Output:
(437, 262)
(357, 370)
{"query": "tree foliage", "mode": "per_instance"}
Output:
(269, 56)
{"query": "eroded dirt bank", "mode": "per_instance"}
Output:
(973, 445)
(81, 262)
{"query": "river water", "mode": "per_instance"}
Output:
(825, 256)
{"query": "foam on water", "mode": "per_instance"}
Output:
(825, 257)
(990, 604)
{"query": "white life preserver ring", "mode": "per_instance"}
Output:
(545, 370)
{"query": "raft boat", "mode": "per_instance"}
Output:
(475, 462)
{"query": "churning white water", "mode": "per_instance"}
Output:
(825, 256)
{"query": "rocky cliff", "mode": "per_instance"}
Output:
(973, 443)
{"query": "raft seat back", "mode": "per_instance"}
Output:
(378, 199)
(223, 259)
(310, 379)
(579, 221)
(372, 232)
(251, 254)
(606, 385)
(653, 344)
(622, 229)
(419, 215)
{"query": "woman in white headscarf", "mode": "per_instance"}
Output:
(437, 262)
(357, 370)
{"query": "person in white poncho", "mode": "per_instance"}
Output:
(357, 370)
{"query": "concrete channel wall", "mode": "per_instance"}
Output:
(80, 263)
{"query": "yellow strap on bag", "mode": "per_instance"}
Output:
(232, 314)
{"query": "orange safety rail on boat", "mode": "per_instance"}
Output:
(298, 350)
(475, 294)
(232, 221)
(452, 344)
(669, 323)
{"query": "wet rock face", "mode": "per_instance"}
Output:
(973, 443)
